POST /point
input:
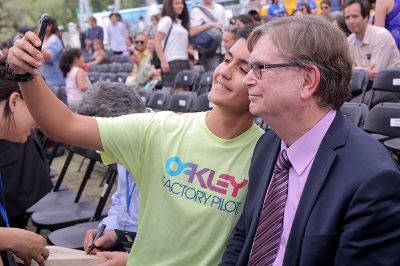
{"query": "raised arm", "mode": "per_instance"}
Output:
(55, 119)
(381, 10)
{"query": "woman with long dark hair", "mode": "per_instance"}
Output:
(16, 124)
(53, 48)
(171, 41)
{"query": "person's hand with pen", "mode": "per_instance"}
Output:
(104, 242)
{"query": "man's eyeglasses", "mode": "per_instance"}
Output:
(139, 42)
(258, 67)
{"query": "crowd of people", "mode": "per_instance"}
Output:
(313, 189)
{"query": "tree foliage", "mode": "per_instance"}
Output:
(15, 14)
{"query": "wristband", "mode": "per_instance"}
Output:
(11, 75)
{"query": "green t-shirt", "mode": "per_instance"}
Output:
(192, 184)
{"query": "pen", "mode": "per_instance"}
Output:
(99, 233)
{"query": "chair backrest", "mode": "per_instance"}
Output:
(359, 81)
(126, 67)
(384, 119)
(182, 102)
(159, 99)
(110, 77)
(121, 77)
(93, 77)
(115, 68)
(387, 80)
(187, 78)
(202, 103)
(145, 95)
(357, 112)
(205, 82)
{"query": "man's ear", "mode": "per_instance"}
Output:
(14, 100)
(312, 77)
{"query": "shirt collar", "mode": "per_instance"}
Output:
(366, 39)
(302, 151)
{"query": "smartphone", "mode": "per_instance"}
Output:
(44, 20)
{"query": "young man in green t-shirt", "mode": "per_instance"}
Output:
(191, 169)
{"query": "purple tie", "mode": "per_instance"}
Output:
(270, 227)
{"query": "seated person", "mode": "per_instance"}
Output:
(99, 55)
(76, 80)
(16, 124)
(108, 100)
(311, 3)
(25, 172)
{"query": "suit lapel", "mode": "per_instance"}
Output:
(325, 157)
(266, 176)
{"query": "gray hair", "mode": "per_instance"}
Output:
(311, 40)
(108, 99)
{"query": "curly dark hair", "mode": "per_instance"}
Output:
(67, 59)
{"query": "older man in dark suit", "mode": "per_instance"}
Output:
(321, 191)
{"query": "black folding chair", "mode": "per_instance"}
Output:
(48, 212)
(387, 86)
(159, 99)
(73, 236)
(145, 95)
(187, 79)
(359, 82)
(202, 103)
(357, 112)
(182, 102)
(381, 121)
(121, 77)
(205, 83)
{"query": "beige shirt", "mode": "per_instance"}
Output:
(379, 44)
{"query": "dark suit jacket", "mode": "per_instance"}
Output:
(349, 212)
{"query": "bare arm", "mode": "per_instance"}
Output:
(157, 45)
(56, 120)
(381, 10)
(25, 244)
(81, 80)
(196, 30)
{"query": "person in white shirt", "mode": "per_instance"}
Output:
(199, 22)
(171, 41)
(117, 32)
(76, 80)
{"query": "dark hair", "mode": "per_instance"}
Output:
(117, 15)
(365, 6)
(156, 17)
(327, 2)
(255, 16)
(67, 59)
(7, 87)
(93, 18)
(244, 33)
(168, 10)
(54, 29)
(342, 24)
(245, 19)
(306, 6)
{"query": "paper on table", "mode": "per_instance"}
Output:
(60, 256)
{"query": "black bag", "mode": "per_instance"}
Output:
(208, 41)
(155, 60)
